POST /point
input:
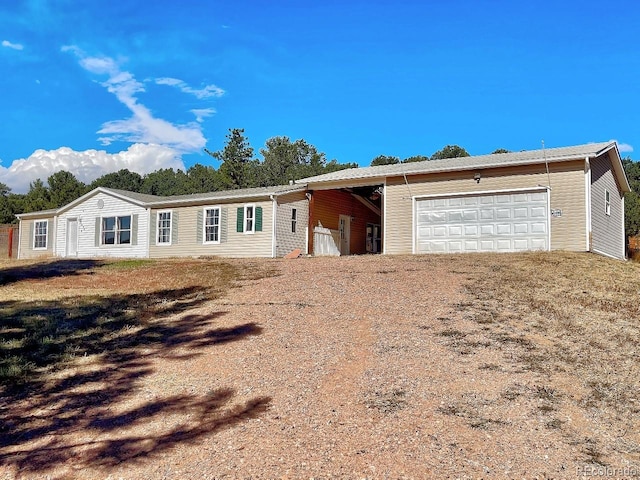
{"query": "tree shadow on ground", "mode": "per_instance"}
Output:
(70, 369)
(42, 270)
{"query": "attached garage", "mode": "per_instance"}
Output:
(567, 198)
(489, 222)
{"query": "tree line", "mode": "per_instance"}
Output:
(283, 160)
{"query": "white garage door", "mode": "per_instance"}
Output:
(504, 222)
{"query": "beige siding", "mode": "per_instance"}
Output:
(568, 232)
(607, 230)
(286, 240)
(26, 238)
(233, 243)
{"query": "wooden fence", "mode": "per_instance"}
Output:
(633, 247)
(9, 238)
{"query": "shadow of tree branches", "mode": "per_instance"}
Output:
(47, 269)
(71, 366)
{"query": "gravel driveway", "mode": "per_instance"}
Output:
(331, 367)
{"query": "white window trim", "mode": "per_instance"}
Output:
(204, 225)
(116, 244)
(157, 233)
(46, 235)
(607, 203)
(253, 219)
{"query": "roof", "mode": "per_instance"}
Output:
(478, 162)
(145, 200)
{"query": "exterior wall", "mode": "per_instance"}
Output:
(187, 242)
(87, 212)
(607, 231)
(568, 232)
(286, 240)
(26, 238)
(327, 207)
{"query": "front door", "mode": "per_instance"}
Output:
(72, 237)
(345, 234)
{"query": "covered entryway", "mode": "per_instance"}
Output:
(490, 222)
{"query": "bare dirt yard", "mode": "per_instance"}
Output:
(473, 366)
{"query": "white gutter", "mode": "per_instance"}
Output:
(624, 238)
(384, 217)
(151, 234)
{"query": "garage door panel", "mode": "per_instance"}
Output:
(500, 222)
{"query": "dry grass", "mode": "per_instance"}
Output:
(574, 319)
(54, 311)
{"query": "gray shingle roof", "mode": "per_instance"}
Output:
(464, 163)
(155, 200)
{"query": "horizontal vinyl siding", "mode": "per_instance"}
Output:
(189, 242)
(286, 241)
(606, 230)
(328, 205)
(26, 239)
(87, 212)
(567, 183)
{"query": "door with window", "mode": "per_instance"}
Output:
(72, 237)
(345, 234)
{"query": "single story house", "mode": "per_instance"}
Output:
(569, 198)
(256, 222)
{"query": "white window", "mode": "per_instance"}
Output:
(164, 228)
(607, 202)
(249, 219)
(211, 225)
(40, 228)
(294, 219)
(116, 230)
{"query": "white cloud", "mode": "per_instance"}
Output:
(202, 113)
(623, 147)
(142, 126)
(207, 92)
(87, 165)
(14, 46)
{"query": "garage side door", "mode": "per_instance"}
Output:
(505, 222)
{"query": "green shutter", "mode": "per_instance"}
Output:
(199, 227)
(258, 219)
(97, 236)
(134, 229)
(174, 227)
(31, 233)
(223, 224)
(240, 220)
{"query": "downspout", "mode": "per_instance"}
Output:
(54, 246)
(274, 206)
(587, 180)
(384, 217)
(19, 237)
(624, 238)
(150, 234)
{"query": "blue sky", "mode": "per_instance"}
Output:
(93, 87)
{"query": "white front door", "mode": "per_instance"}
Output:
(72, 237)
(345, 234)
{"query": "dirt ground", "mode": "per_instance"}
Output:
(492, 366)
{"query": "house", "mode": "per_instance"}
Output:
(257, 222)
(569, 198)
